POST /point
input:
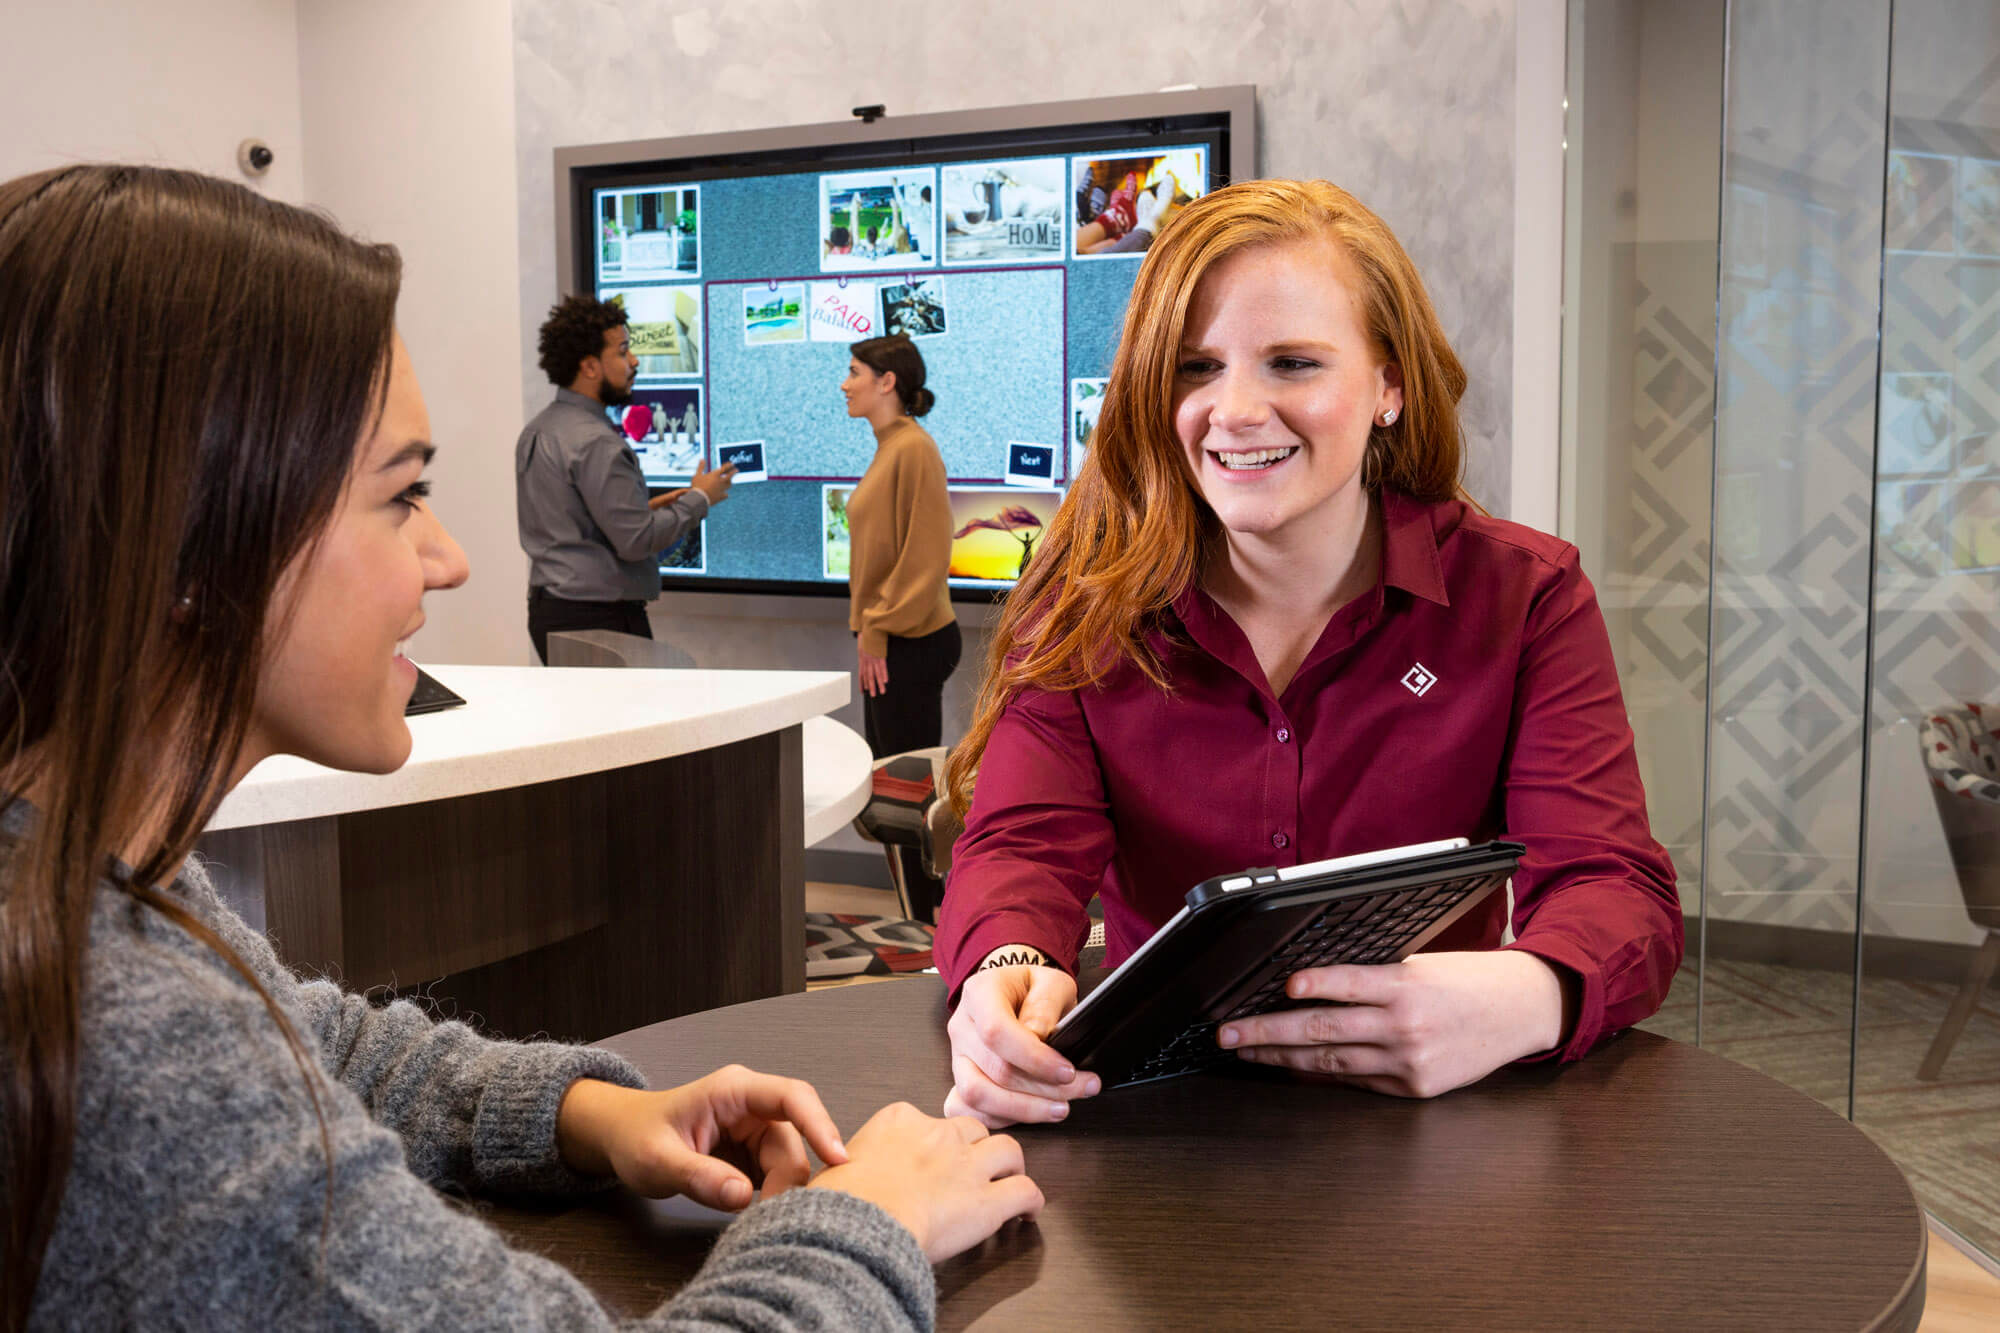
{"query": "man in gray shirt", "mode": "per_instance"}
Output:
(593, 538)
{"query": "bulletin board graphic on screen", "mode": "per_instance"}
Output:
(1004, 243)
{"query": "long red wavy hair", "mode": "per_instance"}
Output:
(1133, 532)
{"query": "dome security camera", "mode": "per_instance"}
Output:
(254, 156)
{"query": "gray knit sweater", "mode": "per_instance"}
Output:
(197, 1195)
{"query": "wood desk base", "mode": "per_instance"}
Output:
(1652, 1185)
(575, 908)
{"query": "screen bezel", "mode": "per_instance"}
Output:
(1222, 118)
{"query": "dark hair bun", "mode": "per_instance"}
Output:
(923, 402)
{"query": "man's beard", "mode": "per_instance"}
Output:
(614, 397)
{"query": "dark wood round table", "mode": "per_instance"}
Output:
(1650, 1185)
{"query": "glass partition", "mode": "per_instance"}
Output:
(1800, 265)
(1780, 406)
(1642, 163)
(1927, 1066)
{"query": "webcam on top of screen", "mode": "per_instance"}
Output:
(254, 156)
(871, 113)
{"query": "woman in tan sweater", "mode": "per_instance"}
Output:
(899, 527)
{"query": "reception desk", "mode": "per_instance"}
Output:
(574, 852)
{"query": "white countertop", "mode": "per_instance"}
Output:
(840, 776)
(537, 724)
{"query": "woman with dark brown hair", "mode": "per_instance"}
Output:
(213, 540)
(1267, 627)
(899, 541)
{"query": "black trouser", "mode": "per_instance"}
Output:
(547, 614)
(909, 714)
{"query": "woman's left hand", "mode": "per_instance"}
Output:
(716, 1140)
(1426, 1025)
(874, 671)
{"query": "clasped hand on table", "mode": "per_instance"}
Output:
(1417, 1028)
(719, 1139)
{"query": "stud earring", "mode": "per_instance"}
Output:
(1389, 417)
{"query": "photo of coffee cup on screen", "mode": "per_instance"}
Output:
(1004, 212)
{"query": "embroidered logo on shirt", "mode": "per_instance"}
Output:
(1418, 680)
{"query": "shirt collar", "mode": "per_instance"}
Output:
(582, 400)
(1410, 548)
(1409, 559)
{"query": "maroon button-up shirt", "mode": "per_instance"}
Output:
(1473, 694)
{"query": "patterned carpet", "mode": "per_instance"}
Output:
(848, 944)
(1793, 1024)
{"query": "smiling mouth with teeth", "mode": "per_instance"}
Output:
(1253, 460)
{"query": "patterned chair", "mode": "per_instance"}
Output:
(916, 831)
(916, 828)
(1962, 757)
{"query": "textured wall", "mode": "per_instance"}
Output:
(170, 85)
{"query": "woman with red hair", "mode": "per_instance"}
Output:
(1268, 627)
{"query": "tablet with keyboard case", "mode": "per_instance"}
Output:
(1229, 952)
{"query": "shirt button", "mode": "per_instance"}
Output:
(1283, 735)
(1280, 841)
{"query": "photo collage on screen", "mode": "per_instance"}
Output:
(745, 294)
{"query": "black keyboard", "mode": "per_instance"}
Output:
(1351, 930)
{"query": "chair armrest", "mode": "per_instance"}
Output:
(941, 829)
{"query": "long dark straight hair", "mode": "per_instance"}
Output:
(186, 369)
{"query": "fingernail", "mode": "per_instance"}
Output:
(1092, 1086)
(1065, 1074)
(1057, 1110)
(1227, 1037)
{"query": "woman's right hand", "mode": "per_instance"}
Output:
(949, 1181)
(1003, 1070)
(873, 671)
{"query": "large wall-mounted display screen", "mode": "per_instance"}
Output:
(1008, 256)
